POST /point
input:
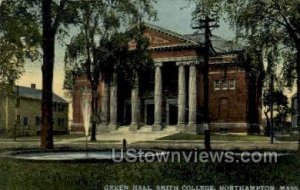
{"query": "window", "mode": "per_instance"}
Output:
(54, 106)
(61, 107)
(231, 84)
(217, 85)
(224, 84)
(18, 119)
(25, 121)
(37, 121)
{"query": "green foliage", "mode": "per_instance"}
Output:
(101, 46)
(273, 23)
(19, 40)
(210, 8)
(138, 59)
(281, 106)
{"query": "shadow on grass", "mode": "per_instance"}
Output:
(33, 175)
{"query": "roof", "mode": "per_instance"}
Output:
(27, 92)
(219, 44)
(171, 33)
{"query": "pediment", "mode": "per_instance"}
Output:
(159, 37)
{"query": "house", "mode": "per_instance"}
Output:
(20, 111)
(171, 95)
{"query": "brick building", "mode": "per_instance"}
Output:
(172, 93)
(20, 111)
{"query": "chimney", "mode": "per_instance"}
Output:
(33, 86)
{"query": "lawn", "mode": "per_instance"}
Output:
(25, 175)
(37, 137)
(225, 137)
(288, 138)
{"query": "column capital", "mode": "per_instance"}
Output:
(188, 62)
(158, 64)
(181, 63)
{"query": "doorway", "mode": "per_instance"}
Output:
(150, 114)
(127, 114)
(173, 114)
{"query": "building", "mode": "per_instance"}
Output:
(294, 110)
(172, 94)
(20, 111)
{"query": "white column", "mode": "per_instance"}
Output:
(192, 95)
(181, 96)
(135, 106)
(114, 102)
(158, 98)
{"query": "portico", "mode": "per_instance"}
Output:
(158, 111)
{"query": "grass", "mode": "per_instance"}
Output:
(37, 137)
(20, 175)
(27, 175)
(184, 136)
(287, 138)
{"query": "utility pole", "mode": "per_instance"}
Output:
(207, 23)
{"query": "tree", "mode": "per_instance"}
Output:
(271, 17)
(251, 61)
(19, 41)
(281, 108)
(100, 46)
(53, 16)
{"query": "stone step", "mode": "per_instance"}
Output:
(170, 129)
(145, 130)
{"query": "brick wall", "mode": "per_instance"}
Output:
(226, 105)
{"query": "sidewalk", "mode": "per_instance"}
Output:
(147, 139)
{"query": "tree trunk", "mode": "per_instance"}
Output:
(298, 92)
(259, 103)
(47, 72)
(268, 127)
(94, 111)
(271, 108)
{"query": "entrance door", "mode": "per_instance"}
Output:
(127, 119)
(150, 114)
(173, 114)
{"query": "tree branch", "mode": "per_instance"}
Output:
(288, 25)
(59, 15)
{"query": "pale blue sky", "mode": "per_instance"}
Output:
(174, 15)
